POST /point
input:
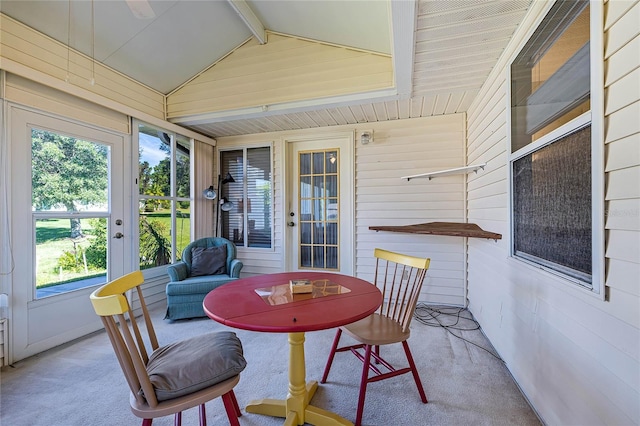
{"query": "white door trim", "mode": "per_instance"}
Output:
(344, 141)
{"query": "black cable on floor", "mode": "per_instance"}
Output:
(450, 318)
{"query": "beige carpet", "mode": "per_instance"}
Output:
(82, 384)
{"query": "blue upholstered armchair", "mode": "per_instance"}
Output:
(206, 264)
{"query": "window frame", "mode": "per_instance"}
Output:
(245, 219)
(173, 197)
(594, 117)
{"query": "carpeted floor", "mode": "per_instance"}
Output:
(466, 384)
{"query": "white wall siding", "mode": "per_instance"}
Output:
(383, 199)
(575, 357)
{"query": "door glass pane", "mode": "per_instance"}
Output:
(318, 209)
(69, 193)
(64, 263)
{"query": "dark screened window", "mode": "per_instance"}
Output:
(552, 205)
(247, 222)
(551, 145)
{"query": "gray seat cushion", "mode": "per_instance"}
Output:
(196, 363)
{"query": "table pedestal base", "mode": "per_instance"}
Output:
(296, 409)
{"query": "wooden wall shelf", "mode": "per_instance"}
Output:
(453, 229)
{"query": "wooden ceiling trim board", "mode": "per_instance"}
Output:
(249, 19)
(403, 21)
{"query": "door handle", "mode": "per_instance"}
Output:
(291, 224)
(118, 235)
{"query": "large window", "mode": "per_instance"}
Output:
(552, 145)
(164, 173)
(246, 218)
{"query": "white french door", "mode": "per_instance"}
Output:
(68, 226)
(319, 216)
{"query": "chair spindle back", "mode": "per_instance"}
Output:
(400, 278)
(111, 304)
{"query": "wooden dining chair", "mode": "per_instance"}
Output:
(169, 379)
(399, 277)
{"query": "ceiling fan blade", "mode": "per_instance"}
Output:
(141, 9)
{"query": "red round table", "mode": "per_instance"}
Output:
(265, 303)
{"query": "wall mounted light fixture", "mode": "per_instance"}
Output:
(365, 138)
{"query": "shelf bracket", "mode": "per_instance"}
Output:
(458, 170)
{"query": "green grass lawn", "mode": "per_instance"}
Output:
(53, 239)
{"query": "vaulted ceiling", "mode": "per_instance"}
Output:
(441, 50)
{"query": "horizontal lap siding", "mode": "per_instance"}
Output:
(405, 148)
(285, 69)
(24, 48)
(27, 92)
(575, 357)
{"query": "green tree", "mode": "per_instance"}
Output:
(67, 173)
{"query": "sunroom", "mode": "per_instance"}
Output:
(516, 117)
